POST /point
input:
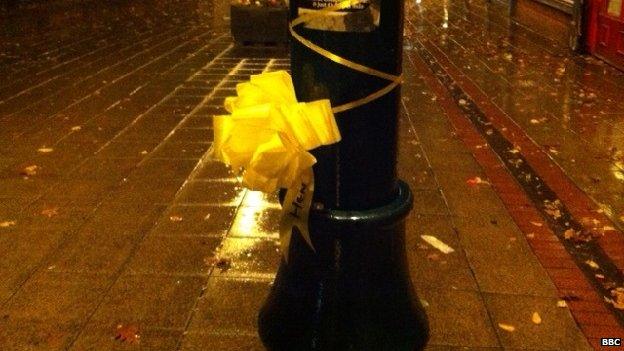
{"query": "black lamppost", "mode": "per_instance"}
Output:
(353, 291)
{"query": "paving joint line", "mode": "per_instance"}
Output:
(135, 249)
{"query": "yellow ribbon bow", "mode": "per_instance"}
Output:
(268, 134)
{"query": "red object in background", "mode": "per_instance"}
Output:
(605, 36)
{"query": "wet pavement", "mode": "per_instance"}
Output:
(117, 232)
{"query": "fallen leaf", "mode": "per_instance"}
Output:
(127, 333)
(507, 327)
(553, 208)
(562, 304)
(618, 294)
(436, 243)
(592, 264)
(29, 170)
(476, 181)
(176, 218)
(569, 234)
(45, 150)
(50, 212)
(535, 318)
(76, 128)
(223, 263)
(537, 224)
(7, 224)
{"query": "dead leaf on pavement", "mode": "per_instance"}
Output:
(507, 327)
(45, 150)
(476, 181)
(176, 218)
(536, 318)
(553, 208)
(127, 333)
(223, 263)
(569, 234)
(29, 171)
(437, 243)
(76, 128)
(50, 212)
(592, 264)
(618, 298)
(7, 224)
(537, 224)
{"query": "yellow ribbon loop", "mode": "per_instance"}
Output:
(268, 134)
(395, 80)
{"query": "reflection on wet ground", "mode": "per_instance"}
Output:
(118, 232)
(569, 104)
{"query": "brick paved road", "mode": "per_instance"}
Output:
(113, 222)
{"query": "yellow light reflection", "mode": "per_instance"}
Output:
(445, 24)
(248, 234)
(618, 170)
(248, 220)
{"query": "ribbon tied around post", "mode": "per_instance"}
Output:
(268, 134)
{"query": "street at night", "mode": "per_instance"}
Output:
(120, 230)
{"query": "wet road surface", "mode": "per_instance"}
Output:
(118, 233)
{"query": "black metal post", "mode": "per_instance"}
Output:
(353, 292)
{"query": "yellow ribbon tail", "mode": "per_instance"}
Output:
(296, 212)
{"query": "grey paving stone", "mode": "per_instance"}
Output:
(259, 221)
(109, 338)
(149, 301)
(247, 258)
(429, 267)
(219, 342)
(22, 252)
(180, 220)
(557, 331)
(56, 297)
(131, 150)
(210, 193)
(500, 257)
(429, 202)
(458, 318)
(33, 334)
(174, 255)
(172, 150)
(229, 306)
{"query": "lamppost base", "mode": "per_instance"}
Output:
(353, 291)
